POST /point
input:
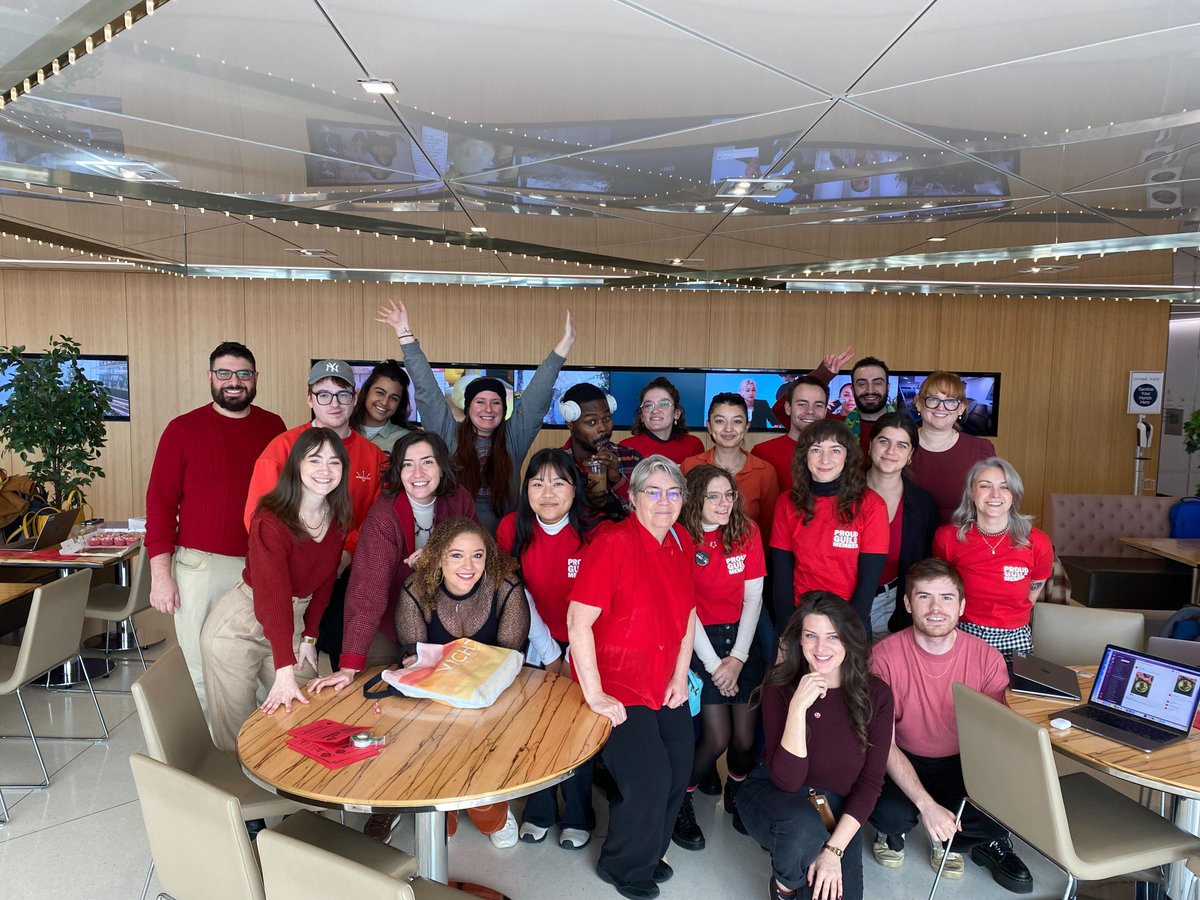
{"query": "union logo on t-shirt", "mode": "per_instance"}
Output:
(845, 539)
(572, 567)
(736, 564)
(1015, 573)
(363, 475)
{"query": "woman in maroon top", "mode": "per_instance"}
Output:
(946, 453)
(658, 424)
(265, 629)
(631, 622)
(912, 517)
(827, 728)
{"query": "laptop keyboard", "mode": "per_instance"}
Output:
(1133, 726)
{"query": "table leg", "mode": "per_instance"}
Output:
(1179, 880)
(1195, 585)
(431, 846)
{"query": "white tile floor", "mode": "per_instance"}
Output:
(83, 837)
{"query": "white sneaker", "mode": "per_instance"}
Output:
(574, 838)
(533, 834)
(506, 837)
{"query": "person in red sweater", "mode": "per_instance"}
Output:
(195, 538)
(331, 399)
(544, 536)
(1003, 560)
(659, 425)
(264, 629)
(807, 400)
(827, 728)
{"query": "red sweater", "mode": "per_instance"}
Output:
(366, 463)
(198, 483)
(284, 567)
(676, 449)
(387, 538)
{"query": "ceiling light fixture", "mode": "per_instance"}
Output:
(936, 240)
(765, 188)
(377, 86)
(479, 229)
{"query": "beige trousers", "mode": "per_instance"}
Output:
(237, 659)
(202, 579)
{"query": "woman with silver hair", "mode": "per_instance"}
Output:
(631, 619)
(1003, 560)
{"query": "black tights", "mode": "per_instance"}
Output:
(717, 720)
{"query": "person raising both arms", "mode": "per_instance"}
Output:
(486, 449)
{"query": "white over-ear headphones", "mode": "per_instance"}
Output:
(570, 411)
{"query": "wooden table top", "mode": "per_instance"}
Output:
(50, 559)
(436, 757)
(1186, 551)
(1175, 769)
(15, 590)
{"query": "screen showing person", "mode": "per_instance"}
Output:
(758, 389)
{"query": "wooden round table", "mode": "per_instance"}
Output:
(437, 758)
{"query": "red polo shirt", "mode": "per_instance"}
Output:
(996, 585)
(721, 582)
(644, 592)
(549, 565)
(826, 549)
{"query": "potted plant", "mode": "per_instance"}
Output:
(52, 416)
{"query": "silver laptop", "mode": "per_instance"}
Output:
(55, 530)
(1042, 678)
(1186, 652)
(1139, 700)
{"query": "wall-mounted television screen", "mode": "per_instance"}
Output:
(111, 371)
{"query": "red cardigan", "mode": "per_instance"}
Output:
(387, 537)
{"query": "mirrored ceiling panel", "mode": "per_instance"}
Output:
(23, 23)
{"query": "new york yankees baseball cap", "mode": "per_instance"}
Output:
(331, 368)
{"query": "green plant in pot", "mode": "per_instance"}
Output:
(53, 416)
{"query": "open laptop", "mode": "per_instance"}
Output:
(55, 530)
(1139, 700)
(1042, 678)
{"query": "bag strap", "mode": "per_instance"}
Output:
(373, 682)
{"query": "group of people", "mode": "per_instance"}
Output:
(893, 557)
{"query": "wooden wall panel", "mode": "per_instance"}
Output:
(1065, 363)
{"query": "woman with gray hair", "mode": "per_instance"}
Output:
(631, 619)
(1003, 560)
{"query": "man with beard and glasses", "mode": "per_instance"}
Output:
(924, 771)
(606, 466)
(869, 381)
(195, 539)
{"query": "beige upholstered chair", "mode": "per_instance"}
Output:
(1088, 830)
(292, 868)
(51, 636)
(176, 734)
(200, 846)
(115, 604)
(1077, 635)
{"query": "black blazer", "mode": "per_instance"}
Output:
(916, 543)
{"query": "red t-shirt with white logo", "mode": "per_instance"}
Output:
(548, 568)
(827, 549)
(996, 585)
(721, 581)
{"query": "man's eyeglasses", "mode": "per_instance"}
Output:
(324, 398)
(950, 404)
(728, 496)
(226, 374)
(661, 404)
(675, 495)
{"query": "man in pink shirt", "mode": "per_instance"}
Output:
(924, 772)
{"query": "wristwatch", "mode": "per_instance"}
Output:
(834, 850)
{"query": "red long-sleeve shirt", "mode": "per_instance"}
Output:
(199, 480)
(367, 462)
(387, 538)
(280, 566)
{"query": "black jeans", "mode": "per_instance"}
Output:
(792, 831)
(329, 632)
(649, 755)
(895, 815)
(542, 808)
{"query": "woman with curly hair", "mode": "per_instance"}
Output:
(463, 587)
(827, 727)
(832, 533)
(728, 570)
(381, 412)
(659, 426)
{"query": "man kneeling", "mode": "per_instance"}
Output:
(924, 772)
